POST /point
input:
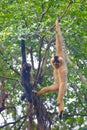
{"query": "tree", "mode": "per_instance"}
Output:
(35, 21)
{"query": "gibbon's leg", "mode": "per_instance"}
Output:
(62, 90)
(61, 108)
(51, 88)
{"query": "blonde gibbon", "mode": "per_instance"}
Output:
(60, 72)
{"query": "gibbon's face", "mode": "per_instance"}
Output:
(56, 61)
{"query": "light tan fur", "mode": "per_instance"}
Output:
(60, 72)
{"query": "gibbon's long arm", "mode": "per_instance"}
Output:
(59, 40)
(23, 52)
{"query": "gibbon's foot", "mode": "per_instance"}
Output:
(34, 91)
(61, 115)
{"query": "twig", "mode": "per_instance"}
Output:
(10, 66)
(5, 107)
(39, 65)
(71, 115)
(14, 122)
(22, 123)
(31, 55)
(44, 13)
(44, 59)
(68, 6)
(4, 77)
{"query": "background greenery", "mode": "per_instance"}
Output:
(34, 20)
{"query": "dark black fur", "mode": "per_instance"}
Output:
(56, 61)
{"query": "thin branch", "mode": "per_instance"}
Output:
(14, 69)
(60, 18)
(42, 16)
(15, 58)
(81, 76)
(39, 65)
(42, 65)
(31, 54)
(10, 66)
(4, 77)
(14, 122)
(65, 11)
(71, 115)
(22, 123)
(79, 97)
(10, 107)
(44, 60)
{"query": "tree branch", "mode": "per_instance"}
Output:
(4, 77)
(14, 122)
(10, 66)
(42, 15)
(60, 18)
(65, 11)
(39, 65)
(31, 54)
(10, 107)
(71, 115)
(44, 59)
(22, 123)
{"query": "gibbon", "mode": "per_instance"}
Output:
(60, 72)
(25, 75)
